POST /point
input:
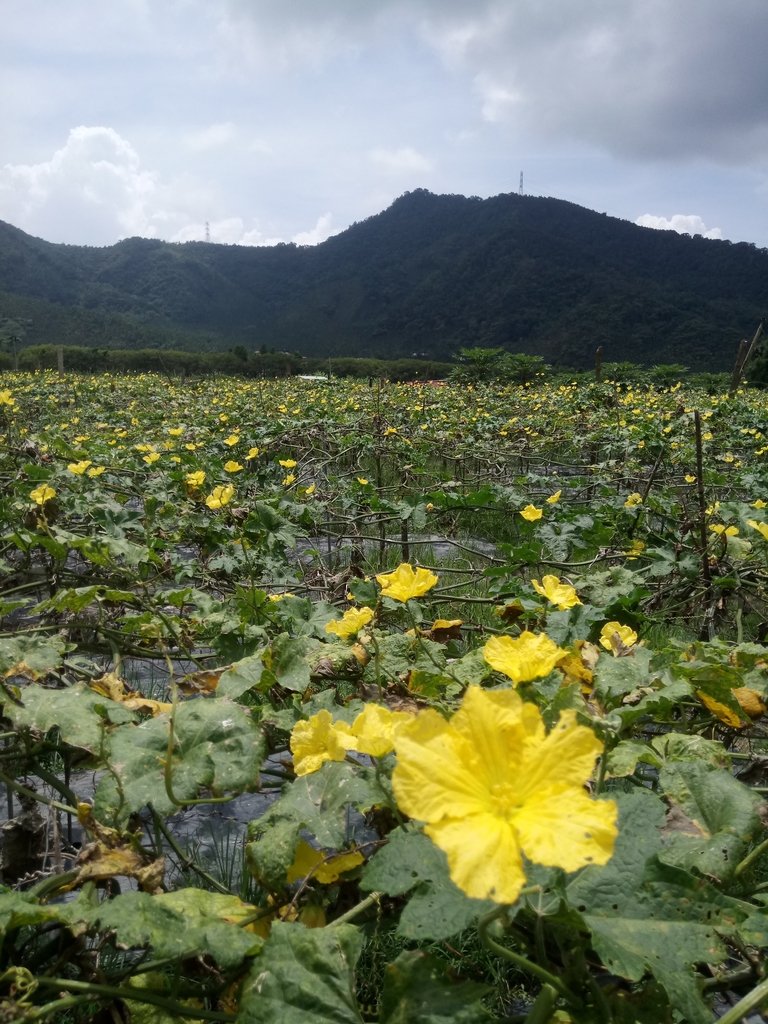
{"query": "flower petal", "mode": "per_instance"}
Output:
(567, 829)
(437, 774)
(483, 856)
(564, 758)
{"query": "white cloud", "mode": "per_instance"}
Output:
(93, 188)
(233, 231)
(683, 223)
(318, 233)
(215, 136)
(400, 161)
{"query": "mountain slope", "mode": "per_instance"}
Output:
(430, 274)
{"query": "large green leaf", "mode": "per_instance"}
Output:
(81, 715)
(31, 656)
(320, 801)
(645, 916)
(304, 975)
(616, 677)
(438, 908)
(416, 992)
(217, 749)
(175, 925)
(271, 850)
(713, 820)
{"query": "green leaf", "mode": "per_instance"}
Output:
(271, 850)
(713, 820)
(19, 911)
(175, 925)
(416, 992)
(285, 661)
(438, 909)
(217, 748)
(38, 655)
(244, 675)
(645, 916)
(319, 801)
(81, 715)
(616, 677)
(304, 975)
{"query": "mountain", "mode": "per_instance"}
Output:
(429, 275)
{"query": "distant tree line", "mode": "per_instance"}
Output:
(473, 366)
(238, 361)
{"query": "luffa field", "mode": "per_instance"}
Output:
(488, 663)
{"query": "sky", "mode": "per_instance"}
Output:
(265, 121)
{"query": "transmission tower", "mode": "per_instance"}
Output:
(207, 231)
(520, 190)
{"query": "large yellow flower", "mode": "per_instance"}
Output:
(561, 594)
(42, 494)
(530, 513)
(406, 582)
(523, 657)
(615, 637)
(762, 528)
(350, 623)
(220, 496)
(320, 739)
(317, 740)
(492, 786)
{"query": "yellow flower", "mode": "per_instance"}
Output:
(152, 457)
(373, 731)
(96, 470)
(252, 453)
(78, 468)
(351, 622)
(6, 398)
(175, 431)
(220, 496)
(232, 467)
(690, 479)
(729, 531)
(389, 431)
(323, 869)
(310, 490)
(759, 503)
(289, 479)
(196, 479)
(232, 440)
(317, 740)
(42, 494)
(287, 463)
(523, 657)
(362, 481)
(762, 528)
(554, 498)
(561, 594)
(404, 582)
(614, 637)
(492, 786)
(633, 499)
(530, 513)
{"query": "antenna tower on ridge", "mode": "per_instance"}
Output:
(207, 231)
(520, 190)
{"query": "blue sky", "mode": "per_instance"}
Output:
(288, 120)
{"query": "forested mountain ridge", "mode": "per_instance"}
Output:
(430, 274)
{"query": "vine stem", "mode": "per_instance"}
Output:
(751, 857)
(751, 1001)
(137, 995)
(518, 959)
(358, 908)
